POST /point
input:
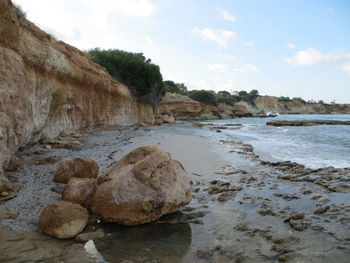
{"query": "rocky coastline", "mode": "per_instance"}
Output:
(244, 209)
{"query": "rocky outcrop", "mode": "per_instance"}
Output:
(143, 186)
(306, 123)
(274, 104)
(184, 108)
(48, 87)
(76, 167)
(63, 219)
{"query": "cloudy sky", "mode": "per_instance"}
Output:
(293, 48)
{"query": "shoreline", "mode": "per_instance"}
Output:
(242, 210)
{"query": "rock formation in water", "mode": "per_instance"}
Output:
(48, 87)
(279, 123)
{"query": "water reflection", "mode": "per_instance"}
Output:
(146, 243)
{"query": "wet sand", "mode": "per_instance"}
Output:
(243, 209)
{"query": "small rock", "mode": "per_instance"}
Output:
(295, 216)
(84, 237)
(297, 224)
(321, 210)
(6, 214)
(63, 219)
(76, 167)
(204, 253)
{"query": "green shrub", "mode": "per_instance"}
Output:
(284, 99)
(138, 73)
(172, 87)
(226, 98)
(204, 96)
(298, 99)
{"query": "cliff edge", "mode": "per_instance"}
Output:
(48, 87)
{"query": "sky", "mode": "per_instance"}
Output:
(292, 48)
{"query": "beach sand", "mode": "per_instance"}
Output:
(243, 210)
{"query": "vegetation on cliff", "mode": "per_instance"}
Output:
(211, 97)
(134, 70)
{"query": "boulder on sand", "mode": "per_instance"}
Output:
(143, 186)
(63, 219)
(76, 167)
(79, 190)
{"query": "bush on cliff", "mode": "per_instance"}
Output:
(204, 96)
(141, 76)
(172, 87)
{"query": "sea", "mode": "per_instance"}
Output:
(313, 146)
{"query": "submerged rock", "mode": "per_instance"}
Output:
(306, 123)
(76, 167)
(63, 219)
(143, 186)
(79, 191)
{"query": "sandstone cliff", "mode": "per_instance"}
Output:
(184, 108)
(270, 103)
(48, 87)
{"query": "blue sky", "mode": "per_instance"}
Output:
(293, 48)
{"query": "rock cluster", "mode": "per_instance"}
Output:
(143, 186)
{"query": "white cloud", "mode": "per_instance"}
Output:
(220, 37)
(223, 68)
(249, 43)
(312, 56)
(217, 67)
(227, 16)
(89, 23)
(225, 56)
(246, 68)
(149, 41)
(291, 45)
(346, 68)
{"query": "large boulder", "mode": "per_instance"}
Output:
(143, 186)
(63, 219)
(79, 190)
(76, 167)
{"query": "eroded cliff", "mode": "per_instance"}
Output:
(184, 108)
(48, 87)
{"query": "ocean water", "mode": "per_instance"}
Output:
(313, 146)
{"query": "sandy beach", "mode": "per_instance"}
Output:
(243, 209)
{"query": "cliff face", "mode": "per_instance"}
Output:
(272, 104)
(184, 108)
(48, 87)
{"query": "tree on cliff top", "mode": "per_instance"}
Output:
(141, 76)
(172, 87)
